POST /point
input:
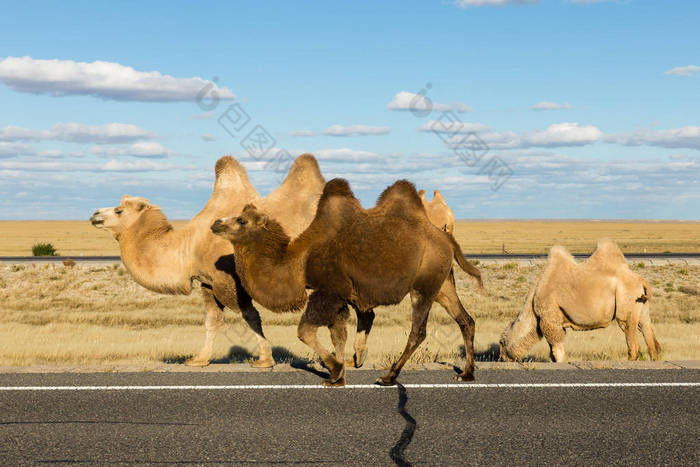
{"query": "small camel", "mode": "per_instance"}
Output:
(165, 260)
(352, 256)
(439, 213)
(582, 296)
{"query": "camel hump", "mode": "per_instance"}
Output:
(558, 252)
(437, 196)
(421, 194)
(608, 252)
(403, 193)
(230, 173)
(226, 163)
(337, 187)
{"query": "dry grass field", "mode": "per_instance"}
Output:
(79, 238)
(51, 314)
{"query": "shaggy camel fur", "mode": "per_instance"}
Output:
(351, 256)
(438, 211)
(582, 296)
(442, 217)
(168, 261)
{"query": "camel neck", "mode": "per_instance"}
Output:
(158, 257)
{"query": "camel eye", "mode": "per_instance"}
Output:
(118, 211)
(241, 221)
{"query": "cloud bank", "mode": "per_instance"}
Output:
(106, 80)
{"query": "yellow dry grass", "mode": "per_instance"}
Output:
(577, 236)
(76, 238)
(50, 314)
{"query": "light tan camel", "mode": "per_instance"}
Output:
(582, 296)
(168, 261)
(438, 211)
(352, 256)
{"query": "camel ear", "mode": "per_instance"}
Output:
(137, 204)
(249, 207)
(261, 221)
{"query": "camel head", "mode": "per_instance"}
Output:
(120, 218)
(242, 229)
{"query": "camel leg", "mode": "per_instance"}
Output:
(553, 330)
(364, 326)
(212, 322)
(317, 314)
(252, 317)
(648, 332)
(339, 336)
(629, 327)
(419, 321)
(448, 298)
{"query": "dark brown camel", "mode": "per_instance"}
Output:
(352, 256)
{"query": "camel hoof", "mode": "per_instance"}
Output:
(465, 377)
(386, 381)
(356, 362)
(263, 363)
(194, 361)
(339, 383)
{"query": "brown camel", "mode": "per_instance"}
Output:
(351, 256)
(438, 211)
(442, 217)
(582, 296)
(168, 261)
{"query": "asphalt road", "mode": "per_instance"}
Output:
(512, 424)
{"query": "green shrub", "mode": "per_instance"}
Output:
(44, 249)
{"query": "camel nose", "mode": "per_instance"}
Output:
(217, 226)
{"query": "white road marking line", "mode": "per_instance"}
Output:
(349, 386)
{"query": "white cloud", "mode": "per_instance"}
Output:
(356, 130)
(685, 137)
(439, 126)
(110, 166)
(147, 149)
(563, 134)
(410, 101)
(79, 133)
(107, 80)
(208, 137)
(474, 3)
(555, 135)
(135, 166)
(683, 70)
(302, 133)
(15, 149)
(551, 106)
(346, 155)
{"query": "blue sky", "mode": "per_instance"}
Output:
(588, 109)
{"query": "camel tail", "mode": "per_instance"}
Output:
(466, 266)
(647, 291)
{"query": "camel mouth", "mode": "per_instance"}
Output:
(218, 227)
(97, 221)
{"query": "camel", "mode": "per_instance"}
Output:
(442, 217)
(167, 261)
(351, 256)
(582, 296)
(438, 211)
